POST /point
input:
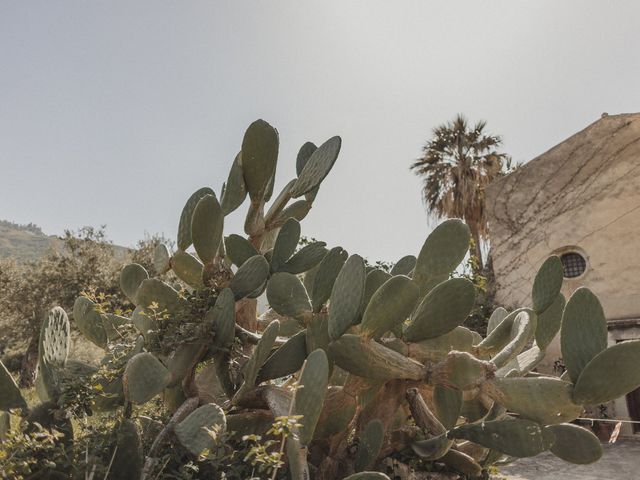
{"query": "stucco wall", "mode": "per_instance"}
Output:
(584, 193)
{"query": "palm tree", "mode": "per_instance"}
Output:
(456, 165)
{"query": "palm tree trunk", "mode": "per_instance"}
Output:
(476, 250)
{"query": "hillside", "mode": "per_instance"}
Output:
(29, 242)
(24, 242)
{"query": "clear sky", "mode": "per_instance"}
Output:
(114, 112)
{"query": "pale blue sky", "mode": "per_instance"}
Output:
(114, 112)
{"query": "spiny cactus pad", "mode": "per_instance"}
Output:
(251, 276)
(575, 444)
(544, 400)
(305, 259)
(288, 297)
(207, 223)
(584, 331)
(442, 252)
(443, 309)
(235, 191)
(317, 167)
(223, 319)
(596, 384)
(346, 296)
(309, 396)
(546, 285)
(286, 243)
(184, 227)
(518, 438)
(161, 260)
(286, 360)
(549, 322)
(89, 321)
(55, 338)
(259, 156)
(144, 378)
(433, 448)
(325, 277)
(389, 306)
(131, 277)
(239, 249)
(201, 429)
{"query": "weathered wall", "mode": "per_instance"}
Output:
(583, 193)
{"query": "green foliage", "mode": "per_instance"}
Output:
(194, 384)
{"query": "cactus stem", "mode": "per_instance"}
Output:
(189, 405)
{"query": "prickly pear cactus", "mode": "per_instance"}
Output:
(377, 369)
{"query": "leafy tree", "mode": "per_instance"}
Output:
(456, 165)
(28, 289)
(87, 262)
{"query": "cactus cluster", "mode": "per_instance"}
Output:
(375, 365)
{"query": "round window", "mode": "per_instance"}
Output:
(574, 264)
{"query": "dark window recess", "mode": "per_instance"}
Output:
(574, 264)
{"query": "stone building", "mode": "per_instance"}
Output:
(581, 201)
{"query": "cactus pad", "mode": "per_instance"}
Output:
(235, 190)
(390, 305)
(131, 277)
(161, 259)
(447, 403)
(518, 438)
(583, 332)
(546, 285)
(369, 359)
(287, 296)
(184, 227)
(327, 271)
(239, 249)
(549, 322)
(201, 429)
(367, 476)
(260, 354)
(309, 396)
(317, 167)
(251, 276)
(154, 291)
(54, 342)
(89, 321)
(609, 375)
(404, 266)
(442, 252)
(223, 319)
(187, 268)
(443, 309)
(286, 244)
(575, 444)
(305, 259)
(286, 360)
(207, 224)
(543, 400)
(259, 156)
(144, 378)
(346, 296)
(496, 318)
(433, 448)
